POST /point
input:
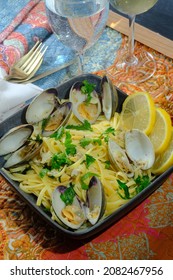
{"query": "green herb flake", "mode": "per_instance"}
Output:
(70, 148)
(58, 134)
(86, 177)
(123, 187)
(84, 126)
(105, 134)
(43, 172)
(107, 164)
(87, 89)
(86, 141)
(68, 196)
(45, 122)
(59, 160)
(89, 160)
(142, 183)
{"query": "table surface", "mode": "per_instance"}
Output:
(146, 232)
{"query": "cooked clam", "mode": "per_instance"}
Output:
(15, 138)
(85, 106)
(71, 215)
(42, 106)
(109, 97)
(24, 154)
(139, 148)
(119, 158)
(58, 118)
(95, 201)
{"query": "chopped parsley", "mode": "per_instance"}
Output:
(58, 134)
(45, 122)
(84, 126)
(43, 172)
(86, 141)
(70, 148)
(87, 88)
(105, 134)
(89, 160)
(142, 183)
(86, 177)
(68, 196)
(59, 160)
(123, 187)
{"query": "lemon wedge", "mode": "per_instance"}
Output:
(160, 135)
(165, 160)
(138, 112)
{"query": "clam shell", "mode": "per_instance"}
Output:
(119, 158)
(15, 138)
(22, 155)
(41, 106)
(109, 97)
(139, 148)
(96, 201)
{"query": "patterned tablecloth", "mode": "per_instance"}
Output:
(147, 231)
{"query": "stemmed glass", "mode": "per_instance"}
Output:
(139, 67)
(77, 23)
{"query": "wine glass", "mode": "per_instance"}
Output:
(139, 67)
(77, 23)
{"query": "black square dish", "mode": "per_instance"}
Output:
(16, 119)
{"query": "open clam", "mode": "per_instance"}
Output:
(86, 103)
(95, 207)
(42, 106)
(139, 149)
(24, 154)
(15, 138)
(109, 97)
(119, 159)
(70, 214)
(58, 118)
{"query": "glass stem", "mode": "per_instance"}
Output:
(131, 59)
(80, 64)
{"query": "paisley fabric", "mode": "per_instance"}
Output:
(146, 232)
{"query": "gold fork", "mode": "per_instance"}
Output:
(28, 64)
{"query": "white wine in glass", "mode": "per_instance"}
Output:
(140, 67)
(77, 23)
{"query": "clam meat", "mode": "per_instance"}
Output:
(58, 118)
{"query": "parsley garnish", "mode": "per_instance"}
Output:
(87, 89)
(68, 195)
(59, 160)
(84, 126)
(86, 141)
(105, 134)
(58, 134)
(89, 160)
(44, 123)
(70, 148)
(84, 185)
(142, 183)
(123, 187)
(43, 172)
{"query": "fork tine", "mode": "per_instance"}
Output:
(31, 56)
(26, 56)
(37, 58)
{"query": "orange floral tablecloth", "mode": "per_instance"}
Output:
(145, 233)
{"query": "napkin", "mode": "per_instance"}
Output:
(14, 96)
